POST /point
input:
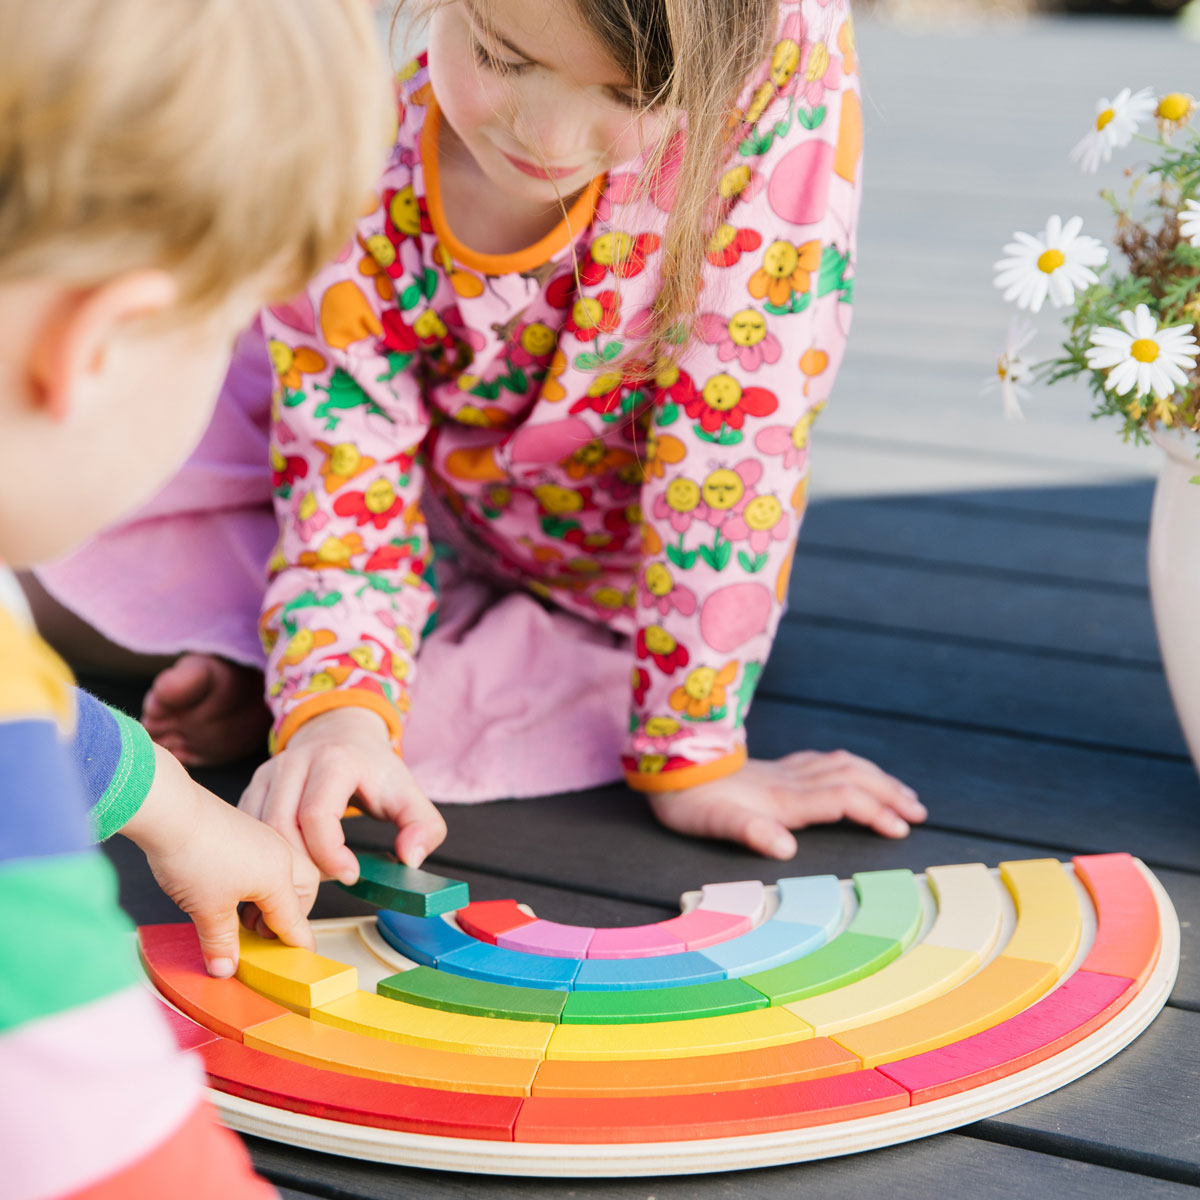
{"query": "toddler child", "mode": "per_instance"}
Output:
(134, 244)
(582, 336)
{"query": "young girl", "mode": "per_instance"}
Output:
(582, 335)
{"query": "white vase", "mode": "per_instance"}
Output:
(1174, 565)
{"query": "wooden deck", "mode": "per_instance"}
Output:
(969, 609)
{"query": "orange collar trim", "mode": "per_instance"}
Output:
(578, 217)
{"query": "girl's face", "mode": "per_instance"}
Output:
(534, 98)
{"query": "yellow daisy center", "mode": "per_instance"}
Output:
(1174, 106)
(1145, 350)
(1104, 118)
(1051, 260)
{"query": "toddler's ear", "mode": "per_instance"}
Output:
(71, 346)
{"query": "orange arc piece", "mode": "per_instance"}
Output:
(1001, 990)
(1128, 934)
(172, 958)
(330, 1048)
(765, 1067)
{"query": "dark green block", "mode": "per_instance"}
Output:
(477, 997)
(390, 884)
(661, 1004)
(889, 906)
(847, 958)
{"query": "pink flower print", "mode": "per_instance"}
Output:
(658, 589)
(726, 492)
(625, 186)
(819, 72)
(657, 734)
(791, 443)
(532, 344)
(309, 519)
(743, 336)
(760, 522)
(679, 504)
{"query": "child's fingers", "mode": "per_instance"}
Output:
(218, 934)
(421, 827)
(843, 769)
(280, 801)
(332, 780)
(822, 804)
(281, 909)
(760, 831)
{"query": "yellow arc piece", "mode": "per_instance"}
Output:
(295, 978)
(1049, 921)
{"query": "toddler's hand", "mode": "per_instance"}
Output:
(208, 858)
(760, 803)
(339, 756)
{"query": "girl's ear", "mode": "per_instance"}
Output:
(71, 346)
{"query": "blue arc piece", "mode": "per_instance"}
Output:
(481, 960)
(770, 945)
(811, 900)
(423, 939)
(630, 974)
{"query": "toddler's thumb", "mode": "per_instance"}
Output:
(218, 933)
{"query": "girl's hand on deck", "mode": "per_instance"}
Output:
(340, 757)
(761, 803)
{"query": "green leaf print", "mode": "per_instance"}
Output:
(292, 397)
(396, 363)
(751, 674)
(410, 297)
(515, 381)
(755, 144)
(714, 714)
(831, 276)
(683, 559)
(797, 304)
(633, 722)
(611, 351)
(557, 527)
(587, 361)
(308, 599)
(725, 436)
(486, 389)
(810, 118)
(428, 283)
(668, 414)
(718, 554)
(752, 564)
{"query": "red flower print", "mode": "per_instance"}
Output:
(655, 642)
(723, 401)
(623, 255)
(398, 337)
(728, 244)
(603, 395)
(407, 217)
(375, 506)
(285, 471)
(560, 291)
(673, 386)
(593, 315)
(641, 685)
(389, 557)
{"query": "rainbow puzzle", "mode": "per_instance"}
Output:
(764, 1024)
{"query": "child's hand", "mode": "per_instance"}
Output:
(334, 758)
(759, 804)
(208, 858)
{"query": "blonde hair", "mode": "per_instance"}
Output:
(216, 139)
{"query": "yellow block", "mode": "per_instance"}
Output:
(1001, 990)
(1049, 923)
(913, 979)
(678, 1039)
(334, 1049)
(970, 913)
(295, 978)
(396, 1021)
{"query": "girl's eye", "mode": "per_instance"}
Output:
(485, 58)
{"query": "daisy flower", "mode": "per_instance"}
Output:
(1058, 262)
(1116, 123)
(1142, 356)
(1174, 111)
(1012, 370)
(1189, 221)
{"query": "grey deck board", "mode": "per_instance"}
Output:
(951, 1164)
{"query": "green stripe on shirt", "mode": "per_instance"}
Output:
(131, 780)
(64, 941)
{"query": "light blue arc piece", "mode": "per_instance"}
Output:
(772, 944)
(811, 900)
(423, 939)
(481, 960)
(657, 971)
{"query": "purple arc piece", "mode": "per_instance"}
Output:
(549, 938)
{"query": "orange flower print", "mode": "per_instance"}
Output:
(343, 462)
(463, 282)
(552, 390)
(292, 364)
(786, 269)
(334, 552)
(595, 458)
(381, 255)
(846, 44)
(662, 450)
(304, 641)
(701, 696)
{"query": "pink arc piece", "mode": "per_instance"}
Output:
(702, 927)
(549, 938)
(747, 898)
(634, 941)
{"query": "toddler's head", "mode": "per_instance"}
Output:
(167, 167)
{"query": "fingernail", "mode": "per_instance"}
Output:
(898, 827)
(908, 792)
(783, 846)
(416, 855)
(349, 877)
(221, 968)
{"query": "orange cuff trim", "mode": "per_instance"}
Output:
(686, 777)
(579, 216)
(338, 698)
